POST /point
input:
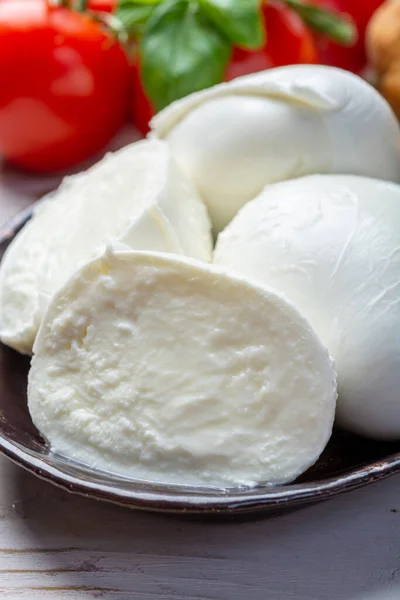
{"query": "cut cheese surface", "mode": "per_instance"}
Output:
(282, 123)
(137, 195)
(164, 368)
(331, 244)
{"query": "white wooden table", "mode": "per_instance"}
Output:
(55, 546)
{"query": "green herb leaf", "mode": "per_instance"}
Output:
(240, 20)
(181, 52)
(138, 2)
(133, 15)
(335, 26)
(81, 5)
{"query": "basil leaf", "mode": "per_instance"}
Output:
(240, 20)
(134, 15)
(181, 52)
(137, 2)
(338, 28)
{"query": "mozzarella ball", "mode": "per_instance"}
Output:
(138, 196)
(331, 244)
(283, 123)
(163, 368)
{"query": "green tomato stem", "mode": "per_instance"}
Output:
(81, 5)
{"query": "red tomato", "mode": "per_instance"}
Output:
(66, 85)
(142, 110)
(354, 58)
(102, 5)
(360, 10)
(289, 42)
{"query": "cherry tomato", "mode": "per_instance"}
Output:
(66, 85)
(289, 42)
(360, 10)
(353, 58)
(107, 6)
(142, 110)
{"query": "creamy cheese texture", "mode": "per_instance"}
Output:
(279, 124)
(138, 195)
(168, 369)
(331, 244)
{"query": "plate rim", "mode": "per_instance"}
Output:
(270, 498)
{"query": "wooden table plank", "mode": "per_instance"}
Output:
(53, 544)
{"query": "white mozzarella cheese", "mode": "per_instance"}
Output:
(236, 137)
(137, 195)
(331, 244)
(164, 368)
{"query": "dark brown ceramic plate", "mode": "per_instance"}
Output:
(347, 463)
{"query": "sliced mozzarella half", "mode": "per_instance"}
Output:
(282, 123)
(164, 368)
(137, 195)
(332, 245)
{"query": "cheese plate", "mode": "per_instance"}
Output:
(348, 461)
